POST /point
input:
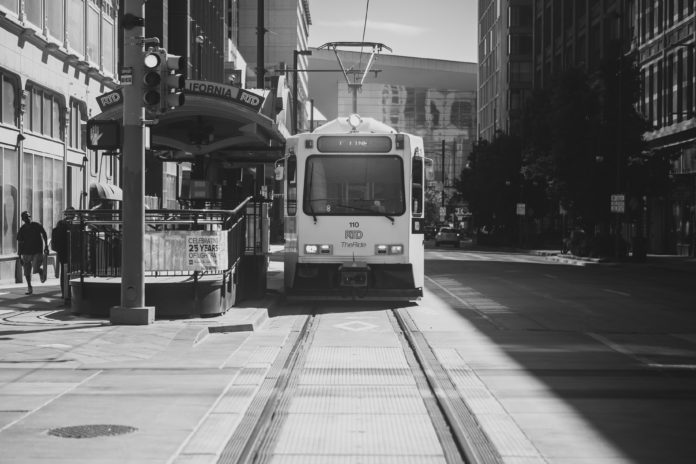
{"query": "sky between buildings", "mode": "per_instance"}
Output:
(439, 29)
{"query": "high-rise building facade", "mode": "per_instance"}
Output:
(505, 65)
(666, 39)
(287, 24)
(578, 33)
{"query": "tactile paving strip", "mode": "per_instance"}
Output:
(357, 399)
(356, 357)
(358, 434)
(337, 376)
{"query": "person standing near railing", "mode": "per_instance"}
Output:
(32, 240)
(59, 244)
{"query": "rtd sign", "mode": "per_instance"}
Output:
(110, 99)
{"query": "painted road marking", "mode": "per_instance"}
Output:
(616, 292)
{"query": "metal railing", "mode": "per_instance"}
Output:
(95, 237)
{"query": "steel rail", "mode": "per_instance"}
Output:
(472, 443)
(259, 432)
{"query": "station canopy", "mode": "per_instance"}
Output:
(225, 122)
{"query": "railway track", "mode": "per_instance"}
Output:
(383, 397)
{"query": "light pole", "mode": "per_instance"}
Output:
(200, 40)
(443, 173)
(295, 54)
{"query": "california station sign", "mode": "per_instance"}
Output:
(227, 92)
(209, 89)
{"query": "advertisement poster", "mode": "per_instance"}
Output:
(186, 251)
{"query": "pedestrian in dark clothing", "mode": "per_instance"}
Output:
(60, 244)
(32, 243)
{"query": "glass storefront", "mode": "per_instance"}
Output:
(42, 193)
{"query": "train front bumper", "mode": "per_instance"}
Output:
(355, 280)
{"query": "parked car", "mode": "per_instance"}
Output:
(430, 232)
(447, 235)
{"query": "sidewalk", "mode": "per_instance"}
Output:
(65, 376)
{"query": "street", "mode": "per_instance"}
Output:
(598, 358)
(509, 357)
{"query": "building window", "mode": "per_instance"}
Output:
(76, 25)
(12, 5)
(520, 44)
(93, 162)
(55, 15)
(520, 16)
(107, 31)
(520, 72)
(8, 100)
(34, 11)
(43, 188)
(9, 194)
(78, 115)
(93, 33)
(44, 113)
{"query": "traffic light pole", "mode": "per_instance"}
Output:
(132, 310)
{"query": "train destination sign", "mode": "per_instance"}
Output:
(354, 144)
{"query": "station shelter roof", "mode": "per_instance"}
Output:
(227, 122)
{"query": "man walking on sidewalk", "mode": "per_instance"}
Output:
(32, 244)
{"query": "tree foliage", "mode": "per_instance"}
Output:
(491, 181)
(581, 141)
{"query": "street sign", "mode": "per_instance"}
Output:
(109, 100)
(126, 76)
(618, 203)
(521, 209)
(103, 135)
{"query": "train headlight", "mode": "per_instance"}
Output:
(389, 249)
(354, 120)
(318, 249)
(396, 249)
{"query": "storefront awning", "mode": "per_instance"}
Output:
(104, 191)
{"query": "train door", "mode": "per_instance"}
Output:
(290, 223)
(417, 237)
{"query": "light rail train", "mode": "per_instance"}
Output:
(354, 212)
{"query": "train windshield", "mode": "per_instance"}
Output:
(371, 185)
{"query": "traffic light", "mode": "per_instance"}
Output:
(152, 80)
(172, 81)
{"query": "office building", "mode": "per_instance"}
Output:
(57, 57)
(505, 65)
(666, 40)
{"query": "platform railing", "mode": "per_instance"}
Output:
(96, 236)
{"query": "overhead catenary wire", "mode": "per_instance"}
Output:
(367, 9)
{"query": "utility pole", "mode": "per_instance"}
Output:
(260, 44)
(295, 54)
(132, 310)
